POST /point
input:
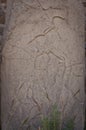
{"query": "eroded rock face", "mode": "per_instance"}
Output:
(43, 63)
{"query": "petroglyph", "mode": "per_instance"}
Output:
(42, 63)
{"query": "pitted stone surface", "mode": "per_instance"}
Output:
(43, 62)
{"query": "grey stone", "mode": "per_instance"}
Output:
(43, 62)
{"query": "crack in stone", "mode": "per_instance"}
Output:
(27, 5)
(74, 64)
(46, 94)
(78, 91)
(41, 35)
(36, 102)
(58, 57)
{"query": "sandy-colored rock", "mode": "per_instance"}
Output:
(43, 62)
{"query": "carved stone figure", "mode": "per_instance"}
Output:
(43, 62)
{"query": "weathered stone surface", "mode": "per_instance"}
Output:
(43, 62)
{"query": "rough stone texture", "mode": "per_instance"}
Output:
(43, 62)
(2, 22)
